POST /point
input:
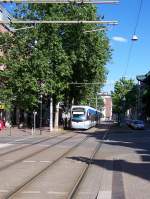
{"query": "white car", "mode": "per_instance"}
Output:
(137, 124)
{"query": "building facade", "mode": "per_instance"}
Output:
(5, 15)
(144, 96)
(4, 28)
(107, 108)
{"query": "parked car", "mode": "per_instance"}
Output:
(137, 124)
(128, 121)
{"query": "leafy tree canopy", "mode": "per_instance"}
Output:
(124, 94)
(45, 58)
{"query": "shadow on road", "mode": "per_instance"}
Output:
(139, 141)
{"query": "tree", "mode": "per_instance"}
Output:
(43, 59)
(124, 89)
(88, 53)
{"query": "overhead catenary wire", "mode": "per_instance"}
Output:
(134, 33)
(62, 1)
(128, 58)
(95, 30)
(15, 21)
(138, 16)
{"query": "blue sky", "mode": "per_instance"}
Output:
(120, 38)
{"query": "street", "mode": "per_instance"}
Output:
(102, 162)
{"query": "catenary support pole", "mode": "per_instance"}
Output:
(51, 114)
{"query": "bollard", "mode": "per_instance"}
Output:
(10, 130)
(32, 131)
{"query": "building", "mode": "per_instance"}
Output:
(144, 96)
(5, 15)
(4, 28)
(107, 108)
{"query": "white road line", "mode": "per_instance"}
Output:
(54, 192)
(29, 161)
(113, 141)
(104, 195)
(45, 161)
(22, 139)
(29, 192)
(8, 160)
(3, 145)
(3, 191)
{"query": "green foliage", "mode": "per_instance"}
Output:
(124, 95)
(43, 59)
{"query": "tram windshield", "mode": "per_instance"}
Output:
(78, 114)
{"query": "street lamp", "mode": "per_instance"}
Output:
(123, 107)
(51, 114)
(134, 38)
(41, 84)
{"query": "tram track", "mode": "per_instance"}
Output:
(24, 147)
(29, 181)
(78, 181)
(27, 145)
(32, 176)
(34, 153)
(19, 188)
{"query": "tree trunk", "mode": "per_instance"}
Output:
(17, 116)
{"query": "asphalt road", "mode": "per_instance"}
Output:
(119, 170)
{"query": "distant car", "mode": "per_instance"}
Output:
(137, 124)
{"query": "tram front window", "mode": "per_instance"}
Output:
(78, 117)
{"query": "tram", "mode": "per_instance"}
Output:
(83, 117)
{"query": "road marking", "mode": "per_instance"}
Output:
(29, 161)
(45, 161)
(8, 160)
(55, 192)
(113, 141)
(3, 191)
(117, 180)
(104, 195)
(22, 139)
(42, 161)
(5, 145)
(33, 192)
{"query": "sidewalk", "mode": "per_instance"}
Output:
(15, 131)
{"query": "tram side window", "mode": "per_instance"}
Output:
(88, 115)
(91, 115)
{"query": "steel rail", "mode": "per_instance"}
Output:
(23, 147)
(85, 169)
(26, 182)
(29, 145)
(34, 153)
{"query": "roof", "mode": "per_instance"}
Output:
(5, 15)
(83, 106)
(144, 78)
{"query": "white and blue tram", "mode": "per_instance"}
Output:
(83, 117)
